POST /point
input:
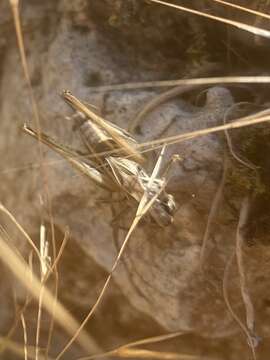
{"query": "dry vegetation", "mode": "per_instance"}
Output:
(41, 283)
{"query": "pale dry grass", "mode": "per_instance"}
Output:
(240, 25)
(248, 328)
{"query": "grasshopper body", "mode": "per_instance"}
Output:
(115, 163)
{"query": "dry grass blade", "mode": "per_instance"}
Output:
(146, 341)
(51, 327)
(19, 350)
(57, 259)
(156, 339)
(24, 336)
(184, 82)
(24, 274)
(149, 354)
(244, 162)
(21, 229)
(18, 28)
(246, 121)
(250, 317)
(213, 212)
(44, 269)
(40, 302)
(249, 336)
(143, 207)
(17, 22)
(4, 343)
(50, 269)
(252, 29)
(227, 300)
(18, 311)
(245, 9)
(134, 124)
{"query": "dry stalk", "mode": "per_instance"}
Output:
(134, 124)
(24, 336)
(21, 229)
(142, 342)
(20, 312)
(57, 258)
(249, 28)
(214, 80)
(250, 317)
(213, 212)
(26, 277)
(19, 316)
(244, 162)
(18, 28)
(245, 329)
(243, 8)
(46, 274)
(258, 118)
(44, 269)
(19, 350)
(150, 354)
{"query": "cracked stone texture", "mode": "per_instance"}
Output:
(157, 287)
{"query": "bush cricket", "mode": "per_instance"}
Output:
(114, 162)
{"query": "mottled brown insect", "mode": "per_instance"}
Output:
(114, 162)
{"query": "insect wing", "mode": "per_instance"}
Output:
(85, 167)
(126, 173)
(123, 141)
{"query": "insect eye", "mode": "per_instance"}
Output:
(65, 92)
(168, 204)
